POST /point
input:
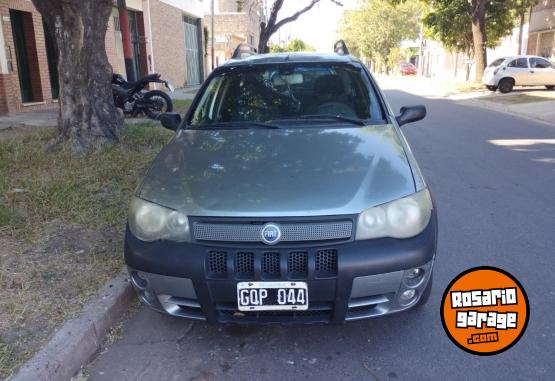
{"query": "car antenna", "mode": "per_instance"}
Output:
(341, 48)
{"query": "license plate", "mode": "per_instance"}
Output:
(272, 296)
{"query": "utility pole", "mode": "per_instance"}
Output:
(126, 40)
(212, 37)
(421, 49)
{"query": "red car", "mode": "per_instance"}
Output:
(407, 69)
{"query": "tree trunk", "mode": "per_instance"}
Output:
(520, 33)
(479, 36)
(87, 113)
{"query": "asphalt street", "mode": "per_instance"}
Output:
(494, 184)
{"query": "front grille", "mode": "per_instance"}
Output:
(271, 265)
(217, 263)
(326, 262)
(290, 232)
(297, 264)
(244, 264)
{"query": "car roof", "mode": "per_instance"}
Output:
(521, 56)
(272, 58)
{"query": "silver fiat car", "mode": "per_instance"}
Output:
(287, 195)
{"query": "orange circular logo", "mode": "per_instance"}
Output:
(485, 310)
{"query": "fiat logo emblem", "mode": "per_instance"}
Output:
(270, 234)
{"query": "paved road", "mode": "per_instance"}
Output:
(496, 207)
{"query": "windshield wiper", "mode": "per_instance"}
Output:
(235, 125)
(360, 122)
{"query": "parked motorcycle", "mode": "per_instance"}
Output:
(133, 99)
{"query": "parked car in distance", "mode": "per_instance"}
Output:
(507, 72)
(406, 68)
(287, 195)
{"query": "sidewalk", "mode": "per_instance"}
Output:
(31, 121)
(535, 103)
(48, 118)
(532, 104)
(186, 93)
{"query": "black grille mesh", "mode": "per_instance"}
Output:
(326, 262)
(217, 262)
(297, 263)
(270, 265)
(244, 264)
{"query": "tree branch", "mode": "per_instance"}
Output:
(296, 15)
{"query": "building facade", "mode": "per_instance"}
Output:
(28, 75)
(541, 38)
(166, 37)
(235, 22)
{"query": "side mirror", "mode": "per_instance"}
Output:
(411, 114)
(170, 120)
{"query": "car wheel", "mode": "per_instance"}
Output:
(506, 85)
(551, 87)
(492, 88)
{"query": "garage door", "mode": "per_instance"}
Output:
(192, 55)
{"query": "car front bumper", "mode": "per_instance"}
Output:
(366, 279)
(489, 80)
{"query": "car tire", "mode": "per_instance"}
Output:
(506, 85)
(550, 87)
(491, 88)
(426, 293)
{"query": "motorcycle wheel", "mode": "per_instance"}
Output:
(157, 102)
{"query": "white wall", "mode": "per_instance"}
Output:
(191, 7)
(542, 20)
(508, 46)
(3, 59)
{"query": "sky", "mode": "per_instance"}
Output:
(318, 27)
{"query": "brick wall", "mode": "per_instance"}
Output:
(110, 43)
(6, 107)
(235, 23)
(38, 63)
(168, 42)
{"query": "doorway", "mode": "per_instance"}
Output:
(52, 58)
(135, 44)
(22, 55)
(192, 56)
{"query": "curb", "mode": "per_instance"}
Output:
(481, 103)
(73, 345)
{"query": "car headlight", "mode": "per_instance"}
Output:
(150, 222)
(403, 218)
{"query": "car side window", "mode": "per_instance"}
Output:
(521, 63)
(539, 63)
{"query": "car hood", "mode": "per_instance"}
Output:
(278, 173)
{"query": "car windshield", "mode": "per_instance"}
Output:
(284, 93)
(497, 62)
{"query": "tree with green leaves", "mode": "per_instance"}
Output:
(472, 26)
(295, 45)
(377, 27)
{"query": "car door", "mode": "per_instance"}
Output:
(518, 70)
(542, 71)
